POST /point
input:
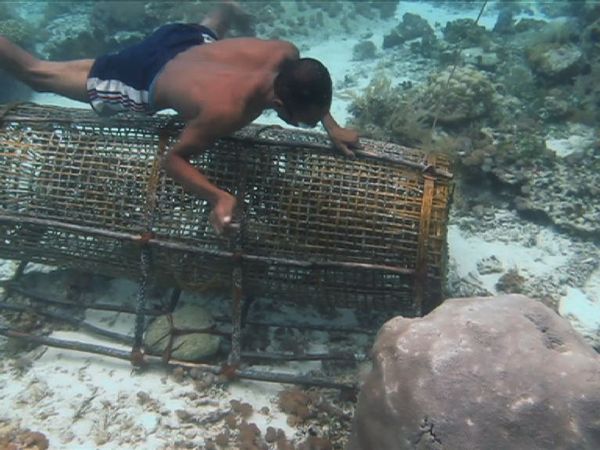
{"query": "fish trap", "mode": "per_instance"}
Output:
(89, 193)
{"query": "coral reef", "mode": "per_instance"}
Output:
(123, 16)
(16, 30)
(458, 96)
(411, 27)
(497, 120)
(511, 282)
(383, 111)
(466, 33)
(404, 113)
(72, 37)
(364, 50)
(566, 193)
(556, 63)
(12, 437)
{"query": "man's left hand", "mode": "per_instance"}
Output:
(345, 140)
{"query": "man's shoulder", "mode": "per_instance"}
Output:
(285, 46)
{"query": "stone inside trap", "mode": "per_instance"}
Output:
(313, 228)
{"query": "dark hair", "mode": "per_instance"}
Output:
(303, 83)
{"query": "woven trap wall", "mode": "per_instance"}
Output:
(80, 191)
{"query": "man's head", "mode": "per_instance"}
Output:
(302, 92)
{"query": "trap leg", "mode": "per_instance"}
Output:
(175, 296)
(16, 276)
(20, 270)
(137, 354)
(236, 317)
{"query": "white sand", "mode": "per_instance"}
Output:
(534, 261)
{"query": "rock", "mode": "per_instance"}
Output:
(478, 57)
(457, 97)
(489, 265)
(411, 27)
(466, 32)
(512, 282)
(500, 372)
(364, 50)
(505, 22)
(556, 63)
(564, 189)
(189, 347)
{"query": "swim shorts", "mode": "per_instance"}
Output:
(124, 81)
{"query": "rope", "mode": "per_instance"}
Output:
(454, 66)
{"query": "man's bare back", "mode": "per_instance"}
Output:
(238, 71)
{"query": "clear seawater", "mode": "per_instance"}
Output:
(508, 90)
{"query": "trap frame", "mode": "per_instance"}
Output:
(89, 193)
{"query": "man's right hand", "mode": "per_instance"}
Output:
(222, 213)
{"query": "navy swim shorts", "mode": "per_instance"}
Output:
(124, 81)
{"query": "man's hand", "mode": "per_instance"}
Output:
(344, 139)
(222, 212)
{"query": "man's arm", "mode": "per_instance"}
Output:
(344, 139)
(196, 137)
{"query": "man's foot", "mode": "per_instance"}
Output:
(229, 13)
(242, 20)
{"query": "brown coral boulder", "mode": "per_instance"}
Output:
(480, 373)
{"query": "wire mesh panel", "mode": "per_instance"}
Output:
(86, 192)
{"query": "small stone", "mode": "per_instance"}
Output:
(489, 265)
(143, 397)
(178, 374)
(183, 415)
(191, 434)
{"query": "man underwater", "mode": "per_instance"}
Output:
(216, 86)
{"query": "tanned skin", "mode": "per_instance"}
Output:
(217, 88)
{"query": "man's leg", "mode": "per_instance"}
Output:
(64, 78)
(229, 13)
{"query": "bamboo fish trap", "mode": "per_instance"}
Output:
(80, 191)
(89, 193)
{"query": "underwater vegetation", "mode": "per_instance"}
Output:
(406, 114)
(386, 112)
(494, 96)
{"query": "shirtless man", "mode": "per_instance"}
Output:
(217, 87)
